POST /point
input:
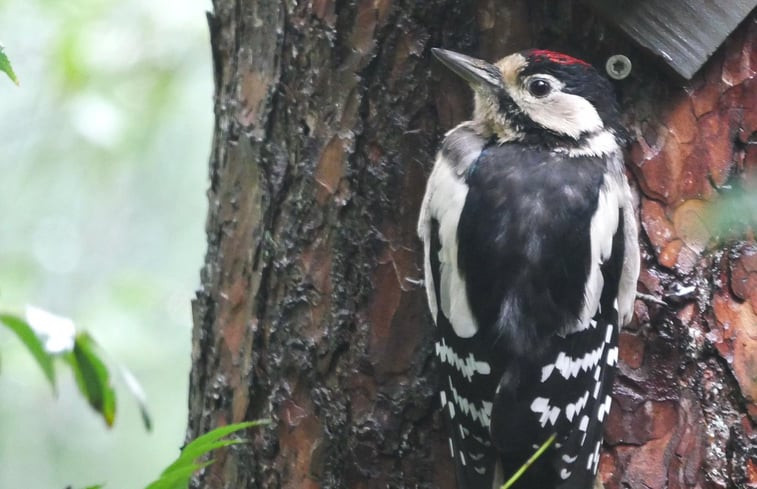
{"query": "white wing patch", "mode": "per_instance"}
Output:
(424, 232)
(571, 367)
(604, 224)
(631, 261)
(575, 408)
(480, 414)
(612, 356)
(541, 405)
(604, 409)
(467, 366)
(614, 195)
(444, 201)
(593, 462)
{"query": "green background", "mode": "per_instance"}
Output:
(103, 172)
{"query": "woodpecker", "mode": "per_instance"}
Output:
(531, 263)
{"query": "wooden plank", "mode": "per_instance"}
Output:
(684, 33)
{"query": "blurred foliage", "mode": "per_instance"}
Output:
(104, 166)
(47, 337)
(178, 474)
(26, 334)
(92, 377)
(5, 66)
(734, 215)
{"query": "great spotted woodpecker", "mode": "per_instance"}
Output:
(531, 262)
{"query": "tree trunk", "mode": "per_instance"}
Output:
(311, 310)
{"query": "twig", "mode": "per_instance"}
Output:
(529, 462)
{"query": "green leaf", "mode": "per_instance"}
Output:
(207, 442)
(177, 475)
(190, 454)
(5, 66)
(178, 478)
(93, 377)
(517, 475)
(96, 486)
(139, 394)
(27, 336)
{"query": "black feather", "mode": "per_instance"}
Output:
(466, 434)
(524, 241)
(524, 250)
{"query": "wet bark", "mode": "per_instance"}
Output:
(311, 310)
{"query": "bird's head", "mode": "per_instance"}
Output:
(538, 96)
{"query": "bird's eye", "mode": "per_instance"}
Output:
(539, 88)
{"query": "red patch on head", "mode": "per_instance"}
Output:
(559, 58)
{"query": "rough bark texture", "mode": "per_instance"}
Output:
(687, 392)
(311, 312)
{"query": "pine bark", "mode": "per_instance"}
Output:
(311, 310)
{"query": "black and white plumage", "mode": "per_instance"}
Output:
(531, 262)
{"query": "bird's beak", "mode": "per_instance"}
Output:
(476, 72)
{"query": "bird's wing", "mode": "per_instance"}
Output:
(443, 201)
(468, 382)
(631, 259)
(566, 388)
(609, 305)
(542, 293)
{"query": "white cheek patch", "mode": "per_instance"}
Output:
(561, 112)
(565, 114)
